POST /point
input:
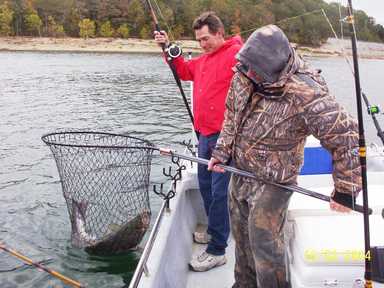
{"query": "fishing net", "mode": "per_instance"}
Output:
(105, 179)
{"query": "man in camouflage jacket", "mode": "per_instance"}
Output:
(275, 101)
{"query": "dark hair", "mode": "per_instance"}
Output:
(211, 20)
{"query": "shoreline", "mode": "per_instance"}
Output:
(332, 48)
(91, 45)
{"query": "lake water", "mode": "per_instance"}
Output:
(134, 94)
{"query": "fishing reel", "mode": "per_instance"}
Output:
(374, 109)
(173, 51)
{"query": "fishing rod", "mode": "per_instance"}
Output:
(362, 149)
(40, 266)
(372, 109)
(292, 188)
(173, 54)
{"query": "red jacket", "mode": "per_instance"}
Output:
(211, 75)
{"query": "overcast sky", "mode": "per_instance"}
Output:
(374, 8)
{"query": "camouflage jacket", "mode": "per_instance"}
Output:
(265, 132)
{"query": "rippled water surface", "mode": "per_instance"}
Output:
(134, 94)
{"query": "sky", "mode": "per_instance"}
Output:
(374, 8)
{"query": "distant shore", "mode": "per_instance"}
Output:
(333, 47)
(105, 45)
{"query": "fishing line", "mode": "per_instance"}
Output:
(341, 23)
(165, 21)
(171, 65)
(280, 21)
(372, 109)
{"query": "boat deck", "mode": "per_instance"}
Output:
(306, 213)
(314, 227)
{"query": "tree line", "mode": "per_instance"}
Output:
(305, 21)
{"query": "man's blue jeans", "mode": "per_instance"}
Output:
(214, 191)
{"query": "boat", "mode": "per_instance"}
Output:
(324, 248)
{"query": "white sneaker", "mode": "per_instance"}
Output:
(206, 261)
(201, 237)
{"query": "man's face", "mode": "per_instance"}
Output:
(209, 42)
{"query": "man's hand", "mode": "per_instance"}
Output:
(213, 167)
(338, 207)
(161, 38)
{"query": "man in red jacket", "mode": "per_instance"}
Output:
(211, 74)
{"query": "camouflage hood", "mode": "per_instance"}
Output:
(269, 54)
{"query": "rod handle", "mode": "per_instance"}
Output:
(360, 208)
(354, 207)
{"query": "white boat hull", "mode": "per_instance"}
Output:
(314, 235)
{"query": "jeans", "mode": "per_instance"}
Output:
(214, 191)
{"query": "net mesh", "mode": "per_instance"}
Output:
(105, 180)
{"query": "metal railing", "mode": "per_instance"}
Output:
(142, 265)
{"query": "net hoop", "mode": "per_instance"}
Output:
(105, 179)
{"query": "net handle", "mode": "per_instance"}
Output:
(292, 188)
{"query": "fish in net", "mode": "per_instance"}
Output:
(105, 180)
